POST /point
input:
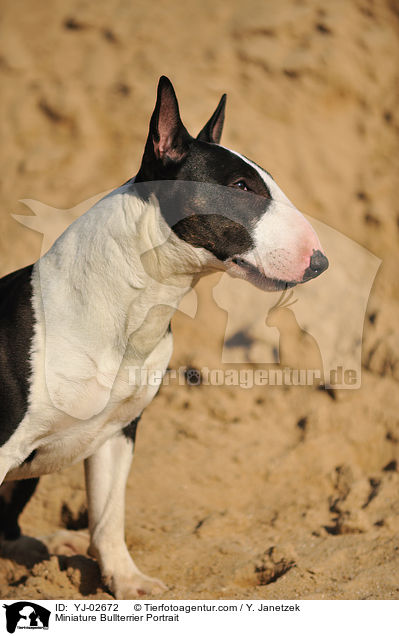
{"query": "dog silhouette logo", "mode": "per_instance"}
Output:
(26, 615)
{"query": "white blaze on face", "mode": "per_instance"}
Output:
(284, 239)
(284, 243)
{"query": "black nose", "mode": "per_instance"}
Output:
(318, 264)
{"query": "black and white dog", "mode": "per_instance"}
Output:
(100, 301)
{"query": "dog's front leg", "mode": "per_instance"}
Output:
(106, 475)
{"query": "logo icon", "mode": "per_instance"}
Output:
(26, 615)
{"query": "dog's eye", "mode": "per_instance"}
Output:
(241, 185)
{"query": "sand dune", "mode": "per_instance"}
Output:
(279, 492)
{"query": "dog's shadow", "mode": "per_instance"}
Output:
(29, 552)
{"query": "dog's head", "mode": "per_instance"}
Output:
(219, 201)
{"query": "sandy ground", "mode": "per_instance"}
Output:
(286, 492)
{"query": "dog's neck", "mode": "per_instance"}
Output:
(125, 270)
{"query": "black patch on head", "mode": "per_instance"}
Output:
(203, 200)
(131, 429)
(216, 233)
(209, 163)
(16, 331)
(181, 171)
(12, 506)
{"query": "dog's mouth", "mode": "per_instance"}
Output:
(238, 267)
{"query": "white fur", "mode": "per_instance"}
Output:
(106, 474)
(284, 239)
(99, 310)
(103, 298)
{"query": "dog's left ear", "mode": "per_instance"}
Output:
(212, 131)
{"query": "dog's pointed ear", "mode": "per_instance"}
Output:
(167, 136)
(212, 131)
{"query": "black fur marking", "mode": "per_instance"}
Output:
(11, 507)
(30, 457)
(195, 181)
(202, 204)
(219, 235)
(131, 429)
(16, 330)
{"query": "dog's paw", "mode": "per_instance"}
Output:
(66, 542)
(125, 588)
(24, 550)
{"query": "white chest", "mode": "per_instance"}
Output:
(59, 440)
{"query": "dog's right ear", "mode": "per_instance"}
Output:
(168, 138)
(212, 131)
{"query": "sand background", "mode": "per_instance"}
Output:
(234, 493)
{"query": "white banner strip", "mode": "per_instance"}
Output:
(193, 617)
